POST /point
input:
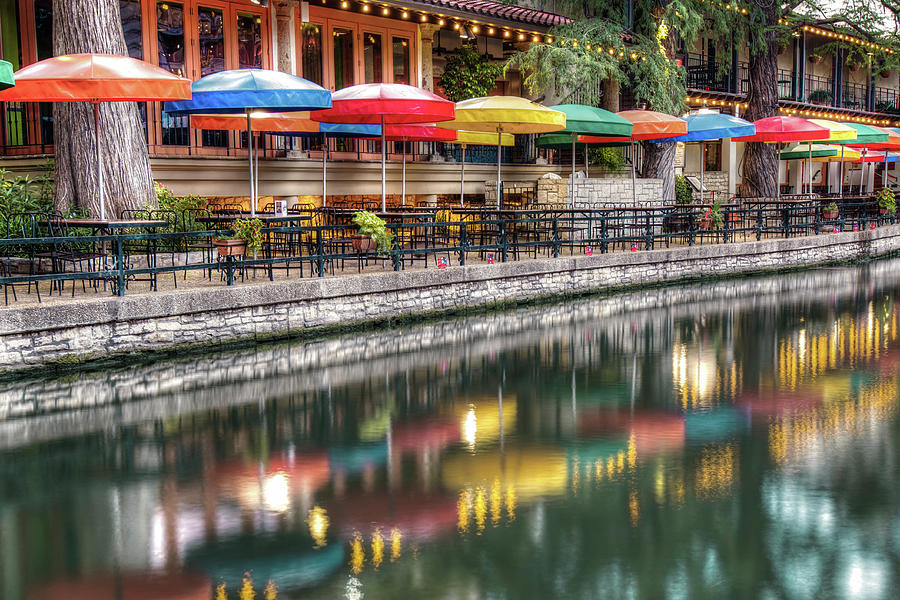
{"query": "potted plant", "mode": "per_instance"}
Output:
(372, 235)
(830, 211)
(711, 217)
(247, 239)
(816, 57)
(819, 96)
(886, 202)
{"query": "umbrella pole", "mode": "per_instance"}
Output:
(403, 180)
(884, 171)
(702, 165)
(324, 169)
(587, 166)
(809, 168)
(633, 175)
(383, 171)
(462, 178)
(499, 141)
(572, 187)
(99, 163)
(841, 181)
(250, 157)
(778, 177)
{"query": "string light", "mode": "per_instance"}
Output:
(845, 38)
(405, 15)
(424, 18)
(385, 11)
(441, 22)
(365, 8)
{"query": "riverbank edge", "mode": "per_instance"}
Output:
(102, 329)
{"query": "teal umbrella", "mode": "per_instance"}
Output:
(6, 75)
(590, 120)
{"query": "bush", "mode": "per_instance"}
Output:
(469, 74)
(683, 192)
(886, 200)
(608, 159)
(372, 225)
(23, 195)
(169, 201)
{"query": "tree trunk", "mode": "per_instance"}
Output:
(761, 160)
(82, 26)
(610, 89)
(659, 159)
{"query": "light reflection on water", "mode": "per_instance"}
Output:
(740, 447)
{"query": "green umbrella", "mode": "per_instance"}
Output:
(6, 75)
(590, 120)
(802, 152)
(865, 134)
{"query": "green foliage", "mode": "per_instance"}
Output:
(469, 74)
(831, 207)
(23, 195)
(683, 192)
(169, 201)
(249, 230)
(370, 224)
(820, 96)
(886, 200)
(712, 215)
(608, 159)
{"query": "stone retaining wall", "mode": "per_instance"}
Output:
(599, 193)
(99, 327)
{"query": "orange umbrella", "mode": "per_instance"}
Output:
(295, 122)
(95, 78)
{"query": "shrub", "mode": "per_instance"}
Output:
(370, 224)
(249, 230)
(886, 200)
(469, 74)
(23, 195)
(683, 192)
(608, 159)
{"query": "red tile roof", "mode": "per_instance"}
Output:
(487, 8)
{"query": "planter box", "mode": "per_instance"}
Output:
(828, 215)
(230, 247)
(363, 243)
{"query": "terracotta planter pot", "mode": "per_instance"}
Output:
(363, 243)
(816, 60)
(230, 247)
(829, 214)
(885, 74)
(882, 211)
(705, 224)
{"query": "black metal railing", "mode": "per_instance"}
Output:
(434, 238)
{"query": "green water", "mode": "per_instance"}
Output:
(734, 440)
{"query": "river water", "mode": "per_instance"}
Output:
(724, 440)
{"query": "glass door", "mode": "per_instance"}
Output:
(373, 61)
(343, 40)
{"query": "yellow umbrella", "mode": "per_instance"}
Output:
(505, 114)
(842, 153)
(477, 138)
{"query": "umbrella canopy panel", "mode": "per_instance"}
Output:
(705, 126)
(840, 132)
(95, 78)
(892, 143)
(240, 90)
(803, 152)
(389, 103)
(297, 122)
(786, 129)
(589, 120)
(482, 138)
(507, 114)
(418, 133)
(840, 153)
(866, 135)
(6, 75)
(652, 125)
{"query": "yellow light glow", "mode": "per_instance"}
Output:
(424, 18)
(377, 548)
(276, 493)
(396, 544)
(405, 15)
(385, 11)
(345, 4)
(357, 554)
(521, 36)
(365, 8)
(317, 520)
(441, 22)
(491, 31)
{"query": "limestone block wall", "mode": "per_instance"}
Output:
(716, 181)
(100, 327)
(599, 193)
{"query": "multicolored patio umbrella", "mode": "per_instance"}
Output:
(415, 133)
(476, 138)
(95, 78)
(505, 114)
(893, 143)
(385, 104)
(841, 154)
(589, 120)
(648, 126)
(293, 124)
(804, 151)
(780, 129)
(247, 91)
(6, 75)
(840, 133)
(705, 125)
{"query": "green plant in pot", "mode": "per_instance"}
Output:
(830, 211)
(373, 233)
(711, 217)
(247, 238)
(819, 97)
(887, 204)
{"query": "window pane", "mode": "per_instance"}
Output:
(131, 25)
(343, 58)
(249, 41)
(401, 60)
(170, 38)
(43, 29)
(311, 52)
(211, 25)
(372, 57)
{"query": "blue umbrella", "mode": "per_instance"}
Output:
(706, 125)
(6, 75)
(249, 90)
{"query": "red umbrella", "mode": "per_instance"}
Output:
(418, 435)
(417, 516)
(96, 78)
(787, 129)
(416, 133)
(385, 104)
